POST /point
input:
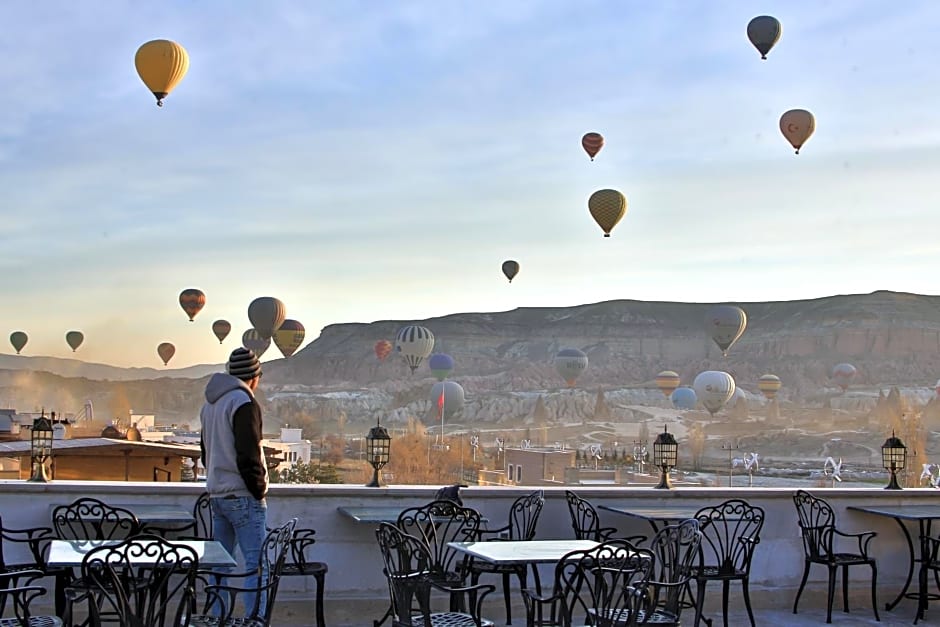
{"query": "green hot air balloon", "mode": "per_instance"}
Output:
(725, 324)
(764, 32)
(74, 339)
(266, 314)
(510, 269)
(18, 339)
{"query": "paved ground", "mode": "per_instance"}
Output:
(361, 614)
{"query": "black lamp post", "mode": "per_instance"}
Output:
(377, 448)
(40, 448)
(665, 455)
(893, 457)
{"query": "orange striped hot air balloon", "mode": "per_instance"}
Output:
(166, 351)
(192, 301)
(769, 385)
(383, 348)
(221, 329)
(607, 206)
(667, 381)
(592, 144)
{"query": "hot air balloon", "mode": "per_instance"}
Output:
(253, 341)
(667, 381)
(607, 206)
(764, 31)
(797, 125)
(725, 324)
(448, 397)
(843, 374)
(166, 351)
(441, 364)
(289, 337)
(161, 64)
(18, 339)
(266, 314)
(221, 328)
(414, 343)
(769, 384)
(714, 388)
(74, 339)
(510, 269)
(592, 144)
(684, 398)
(570, 363)
(382, 349)
(192, 301)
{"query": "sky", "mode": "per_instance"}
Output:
(367, 161)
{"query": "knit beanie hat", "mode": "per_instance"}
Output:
(243, 364)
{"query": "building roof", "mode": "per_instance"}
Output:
(102, 446)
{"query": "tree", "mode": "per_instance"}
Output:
(601, 408)
(697, 445)
(302, 473)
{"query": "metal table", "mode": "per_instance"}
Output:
(652, 513)
(377, 514)
(507, 552)
(924, 515)
(70, 553)
(150, 513)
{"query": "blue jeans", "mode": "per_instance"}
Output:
(242, 520)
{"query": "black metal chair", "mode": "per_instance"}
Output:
(407, 567)
(35, 540)
(86, 519)
(818, 530)
(592, 587)
(659, 600)
(144, 581)
(19, 598)
(523, 518)
(298, 565)
(258, 600)
(730, 532)
(586, 522)
(437, 523)
(199, 529)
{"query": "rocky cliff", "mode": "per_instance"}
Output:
(890, 337)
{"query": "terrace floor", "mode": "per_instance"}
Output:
(361, 614)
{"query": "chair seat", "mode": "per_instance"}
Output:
(451, 619)
(34, 621)
(658, 617)
(848, 558)
(490, 567)
(311, 569)
(215, 621)
(713, 572)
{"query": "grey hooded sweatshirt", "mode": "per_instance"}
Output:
(231, 439)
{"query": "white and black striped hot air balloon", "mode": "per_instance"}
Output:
(414, 343)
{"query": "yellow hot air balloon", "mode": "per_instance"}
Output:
(607, 207)
(797, 125)
(161, 64)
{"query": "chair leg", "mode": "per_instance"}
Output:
(874, 590)
(506, 585)
(725, 591)
(747, 599)
(832, 592)
(321, 582)
(845, 588)
(796, 601)
(699, 601)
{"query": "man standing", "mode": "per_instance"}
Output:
(236, 474)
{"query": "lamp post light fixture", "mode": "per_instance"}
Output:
(40, 449)
(666, 456)
(893, 458)
(378, 444)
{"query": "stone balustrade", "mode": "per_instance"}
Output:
(351, 551)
